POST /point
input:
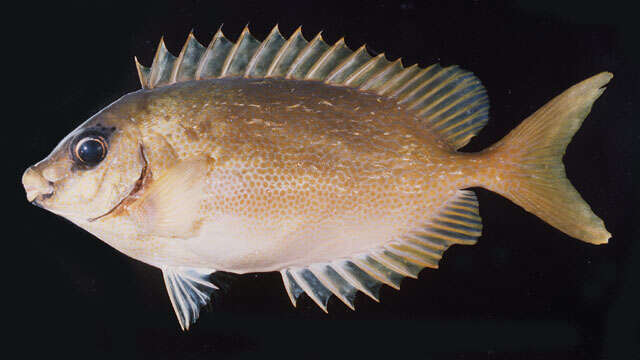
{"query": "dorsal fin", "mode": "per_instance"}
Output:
(452, 102)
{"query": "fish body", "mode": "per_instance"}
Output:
(343, 179)
(296, 172)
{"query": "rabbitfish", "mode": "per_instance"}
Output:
(338, 169)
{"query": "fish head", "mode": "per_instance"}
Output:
(93, 169)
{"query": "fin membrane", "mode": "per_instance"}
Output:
(189, 289)
(457, 222)
(451, 102)
(531, 159)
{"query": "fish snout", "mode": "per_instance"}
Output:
(35, 184)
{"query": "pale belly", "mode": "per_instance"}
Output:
(231, 244)
(257, 229)
(240, 244)
(272, 240)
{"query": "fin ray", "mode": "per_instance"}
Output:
(329, 60)
(448, 100)
(161, 67)
(312, 286)
(184, 68)
(403, 257)
(347, 66)
(307, 58)
(240, 54)
(287, 54)
(532, 157)
(189, 289)
(211, 63)
(334, 283)
(291, 286)
(263, 57)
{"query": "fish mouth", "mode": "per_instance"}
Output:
(37, 201)
(133, 195)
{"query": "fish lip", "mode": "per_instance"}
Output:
(142, 180)
(41, 197)
(36, 203)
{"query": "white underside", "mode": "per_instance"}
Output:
(231, 244)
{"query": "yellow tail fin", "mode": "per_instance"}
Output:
(528, 163)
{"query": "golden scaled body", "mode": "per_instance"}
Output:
(338, 169)
(298, 172)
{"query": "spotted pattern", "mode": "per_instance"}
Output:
(300, 171)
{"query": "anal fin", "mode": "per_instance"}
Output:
(456, 222)
(189, 289)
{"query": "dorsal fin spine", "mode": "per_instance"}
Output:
(303, 57)
(280, 53)
(383, 76)
(161, 62)
(314, 72)
(359, 73)
(259, 55)
(398, 79)
(218, 46)
(155, 62)
(339, 74)
(449, 100)
(191, 49)
(280, 56)
(230, 54)
(234, 50)
(143, 73)
(178, 62)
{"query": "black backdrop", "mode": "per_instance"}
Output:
(525, 291)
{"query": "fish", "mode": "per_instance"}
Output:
(339, 169)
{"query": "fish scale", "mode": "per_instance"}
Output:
(336, 168)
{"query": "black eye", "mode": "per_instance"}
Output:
(90, 150)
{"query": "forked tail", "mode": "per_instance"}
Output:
(526, 165)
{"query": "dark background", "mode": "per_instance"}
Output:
(526, 291)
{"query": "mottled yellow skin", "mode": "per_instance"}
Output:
(298, 172)
(302, 172)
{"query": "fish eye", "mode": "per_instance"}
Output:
(90, 149)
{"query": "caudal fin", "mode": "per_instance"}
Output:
(528, 162)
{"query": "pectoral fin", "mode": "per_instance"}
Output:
(189, 289)
(170, 206)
